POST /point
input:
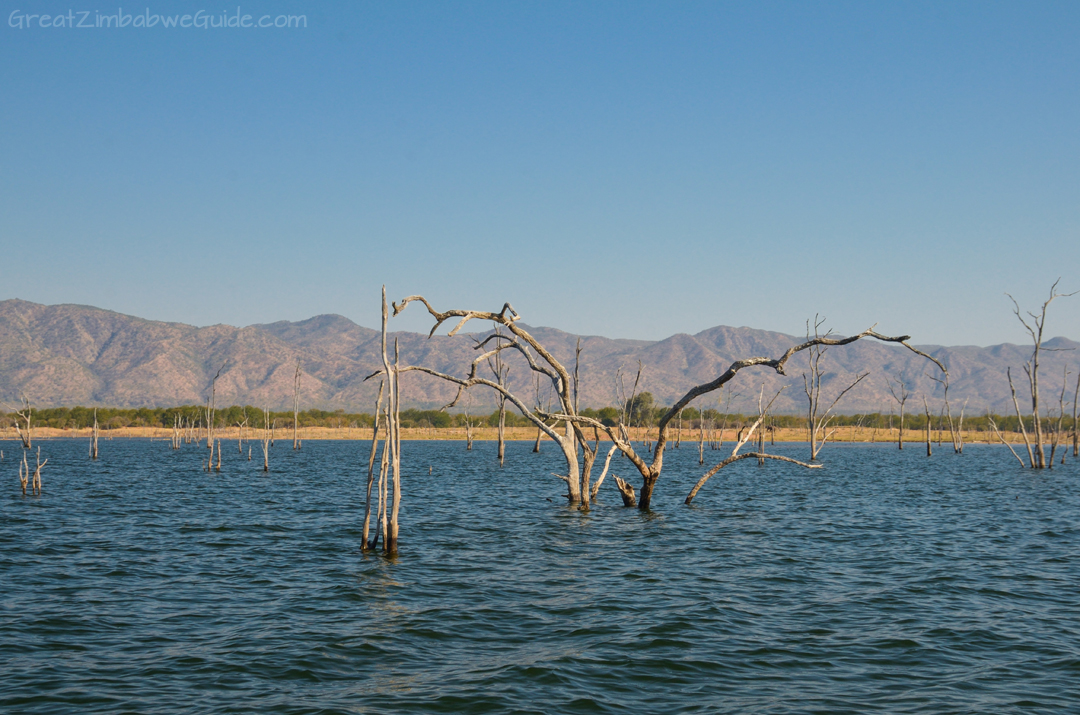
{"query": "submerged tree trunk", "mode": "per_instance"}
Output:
(296, 407)
(929, 448)
(371, 466)
(94, 438)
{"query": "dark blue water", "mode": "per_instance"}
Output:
(885, 582)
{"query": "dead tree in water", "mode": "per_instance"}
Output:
(760, 455)
(296, 407)
(495, 364)
(24, 473)
(993, 426)
(36, 484)
(571, 441)
(25, 478)
(817, 422)
(701, 437)
(175, 432)
(1075, 435)
(1055, 435)
(539, 433)
(901, 399)
(266, 439)
(241, 424)
(211, 410)
(94, 438)
(1031, 368)
(364, 545)
(25, 414)
(391, 455)
(956, 432)
(468, 421)
(926, 409)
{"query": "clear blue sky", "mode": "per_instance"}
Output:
(624, 169)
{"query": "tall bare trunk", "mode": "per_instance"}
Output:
(296, 407)
(371, 464)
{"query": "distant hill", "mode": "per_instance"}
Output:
(73, 354)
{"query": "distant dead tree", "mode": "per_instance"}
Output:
(500, 371)
(211, 410)
(1075, 435)
(266, 439)
(25, 414)
(1034, 325)
(929, 421)
(94, 438)
(468, 423)
(817, 420)
(547, 407)
(241, 424)
(573, 441)
(956, 431)
(36, 483)
(900, 394)
(24, 473)
(296, 407)
(1056, 433)
(993, 426)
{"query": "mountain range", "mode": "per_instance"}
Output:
(64, 355)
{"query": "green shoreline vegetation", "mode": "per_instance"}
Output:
(118, 417)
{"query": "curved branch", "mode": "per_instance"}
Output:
(735, 458)
(465, 383)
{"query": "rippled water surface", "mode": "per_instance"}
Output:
(885, 582)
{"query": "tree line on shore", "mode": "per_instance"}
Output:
(644, 414)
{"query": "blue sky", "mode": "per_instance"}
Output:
(625, 169)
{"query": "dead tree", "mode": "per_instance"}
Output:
(817, 422)
(211, 410)
(296, 407)
(1075, 435)
(1020, 419)
(500, 371)
(993, 425)
(25, 414)
(1055, 435)
(94, 438)
(570, 440)
(468, 424)
(701, 437)
(956, 432)
(926, 408)
(371, 468)
(266, 439)
(1031, 368)
(539, 433)
(900, 394)
(760, 455)
(241, 424)
(24, 473)
(36, 483)
(391, 456)
(175, 432)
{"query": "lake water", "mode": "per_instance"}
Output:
(886, 582)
